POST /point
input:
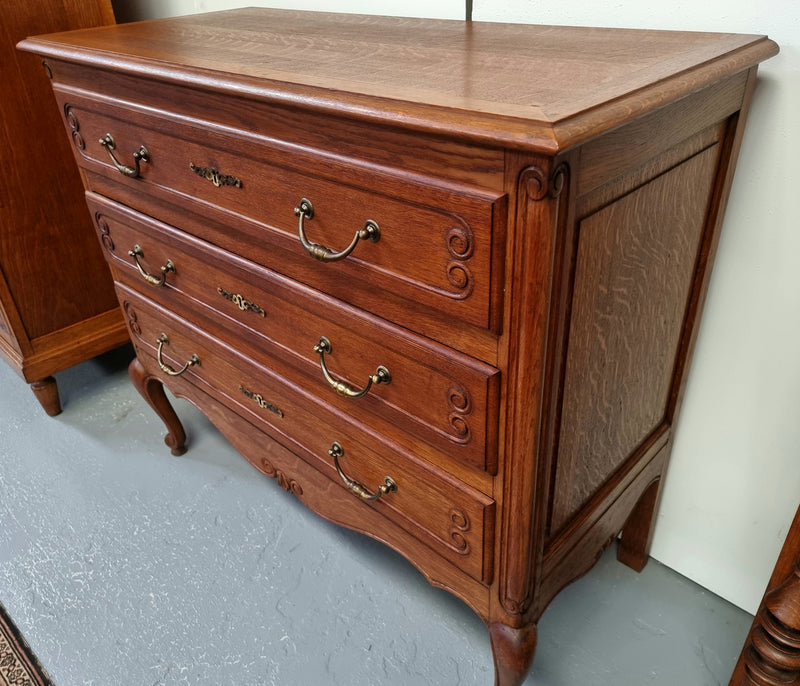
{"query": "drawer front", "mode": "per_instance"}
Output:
(446, 514)
(433, 244)
(436, 396)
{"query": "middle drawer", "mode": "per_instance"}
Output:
(355, 362)
(456, 520)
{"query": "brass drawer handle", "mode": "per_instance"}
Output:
(136, 253)
(381, 374)
(305, 210)
(162, 339)
(141, 155)
(388, 486)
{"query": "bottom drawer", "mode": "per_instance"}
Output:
(454, 519)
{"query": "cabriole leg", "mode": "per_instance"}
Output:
(152, 390)
(513, 651)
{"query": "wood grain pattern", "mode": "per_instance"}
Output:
(45, 232)
(513, 650)
(470, 72)
(441, 511)
(581, 223)
(440, 398)
(323, 495)
(453, 273)
(635, 267)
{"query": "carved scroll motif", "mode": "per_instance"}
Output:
(460, 407)
(133, 323)
(539, 186)
(75, 127)
(286, 483)
(460, 526)
(460, 244)
(105, 232)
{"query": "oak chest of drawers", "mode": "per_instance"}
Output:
(439, 279)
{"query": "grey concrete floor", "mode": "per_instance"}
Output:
(124, 566)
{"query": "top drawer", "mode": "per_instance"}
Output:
(432, 243)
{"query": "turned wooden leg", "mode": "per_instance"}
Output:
(46, 392)
(152, 390)
(771, 653)
(513, 651)
(637, 534)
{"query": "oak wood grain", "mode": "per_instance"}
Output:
(448, 515)
(452, 273)
(584, 220)
(635, 267)
(466, 77)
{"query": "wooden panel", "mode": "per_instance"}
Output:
(633, 144)
(437, 396)
(442, 512)
(635, 266)
(437, 244)
(489, 81)
(45, 233)
(324, 496)
(5, 331)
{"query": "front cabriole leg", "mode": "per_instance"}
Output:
(513, 650)
(152, 390)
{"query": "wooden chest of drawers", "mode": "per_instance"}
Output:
(440, 279)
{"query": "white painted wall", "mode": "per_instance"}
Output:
(734, 481)
(132, 10)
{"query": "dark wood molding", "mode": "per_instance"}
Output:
(771, 653)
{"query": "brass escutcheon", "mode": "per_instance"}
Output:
(260, 401)
(216, 177)
(241, 302)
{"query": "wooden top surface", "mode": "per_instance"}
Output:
(539, 86)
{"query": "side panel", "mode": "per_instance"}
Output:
(635, 267)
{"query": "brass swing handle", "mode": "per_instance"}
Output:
(305, 210)
(141, 155)
(388, 486)
(381, 374)
(161, 340)
(136, 252)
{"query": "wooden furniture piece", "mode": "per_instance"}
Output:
(57, 303)
(440, 279)
(771, 653)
